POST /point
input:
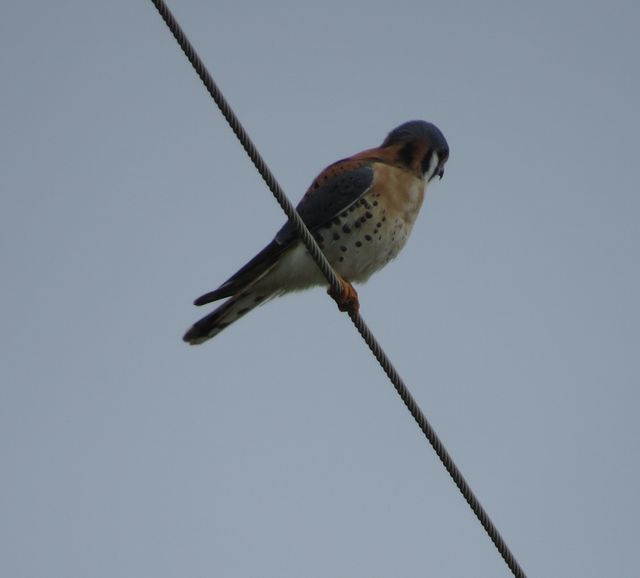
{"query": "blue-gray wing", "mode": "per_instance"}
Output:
(334, 190)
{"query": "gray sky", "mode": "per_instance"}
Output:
(280, 449)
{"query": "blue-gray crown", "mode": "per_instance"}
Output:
(418, 130)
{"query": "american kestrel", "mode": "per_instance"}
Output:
(360, 210)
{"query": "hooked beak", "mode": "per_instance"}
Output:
(439, 172)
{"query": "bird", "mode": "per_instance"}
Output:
(360, 210)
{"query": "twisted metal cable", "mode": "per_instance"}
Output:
(247, 144)
(332, 278)
(437, 444)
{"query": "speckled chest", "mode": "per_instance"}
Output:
(373, 230)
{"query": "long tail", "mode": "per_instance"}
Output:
(231, 310)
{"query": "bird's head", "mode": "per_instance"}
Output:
(421, 147)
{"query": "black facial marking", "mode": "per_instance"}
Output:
(406, 153)
(424, 165)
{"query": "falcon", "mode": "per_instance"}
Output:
(360, 210)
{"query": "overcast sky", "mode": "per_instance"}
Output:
(279, 449)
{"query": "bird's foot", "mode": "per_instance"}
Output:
(346, 298)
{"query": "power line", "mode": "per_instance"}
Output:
(330, 275)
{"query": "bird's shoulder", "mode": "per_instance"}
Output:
(332, 191)
(358, 164)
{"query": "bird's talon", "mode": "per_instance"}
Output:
(346, 298)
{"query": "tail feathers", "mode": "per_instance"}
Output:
(210, 297)
(230, 311)
(247, 276)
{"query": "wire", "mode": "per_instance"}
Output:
(332, 278)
